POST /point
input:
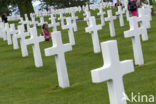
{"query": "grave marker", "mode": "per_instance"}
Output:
(3, 31)
(58, 50)
(120, 13)
(14, 38)
(42, 21)
(74, 18)
(88, 15)
(70, 27)
(22, 35)
(110, 19)
(145, 20)
(101, 14)
(93, 29)
(35, 40)
(112, 72)
(135, 33)
(54, 24)
(8, 33)
(61, 18)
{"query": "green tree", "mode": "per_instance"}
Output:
(64, 3)
(4, 7)
(25, 7)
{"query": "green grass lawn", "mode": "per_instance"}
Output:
(22, 83)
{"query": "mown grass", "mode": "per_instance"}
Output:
(22, 83)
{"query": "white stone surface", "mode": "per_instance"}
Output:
(120, 13)
(3, 31)
(93, 29)
(62, 18)
(14, 38)
(42, 21)
(74, 18)
(54, 24)
(111, 19)
(8, 33)
(33, 22)
(25, 22)
(145, 19)
(148, 10)
(126, 9)
(102, 17)
(127, 15)
(58, 50)
(70, 26)
(26, 17)
(22, 35)
(113, 72)
(135, 33)
(88, 15)
(34, 41)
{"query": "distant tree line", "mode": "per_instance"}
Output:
(26, 7)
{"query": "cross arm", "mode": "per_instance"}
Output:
(127, 67)
(107, 19)
(67, 47)
(101, 74)
(74, 18)
(28, 41)
(143, 32)
(86, 19)
(88, 29)
(51, 51)
(26, 33)
(114, 17)
(99, 27)
(117, 13)
(65, 27)
(129, 33)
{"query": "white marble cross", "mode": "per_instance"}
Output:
(113, 72)
(126, 9)
(26, 17)
(145, 19)
(8, 32)
(110, 19)
(70, 27)
(33, 22)
(54, 24)
(21, 21)
(3, 31)
(61, 18)
(120, 13)
(88, 15)
(14, 38)
(74, 18)
(148, 10)
(42, 21)
(32, 15)
(22, 35)
(127, 14)
(59, 50)
(102, 13)
(27, 22)
(35, 40)
(135, 33)
(93, 29)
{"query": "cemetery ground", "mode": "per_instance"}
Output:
(22, 83)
